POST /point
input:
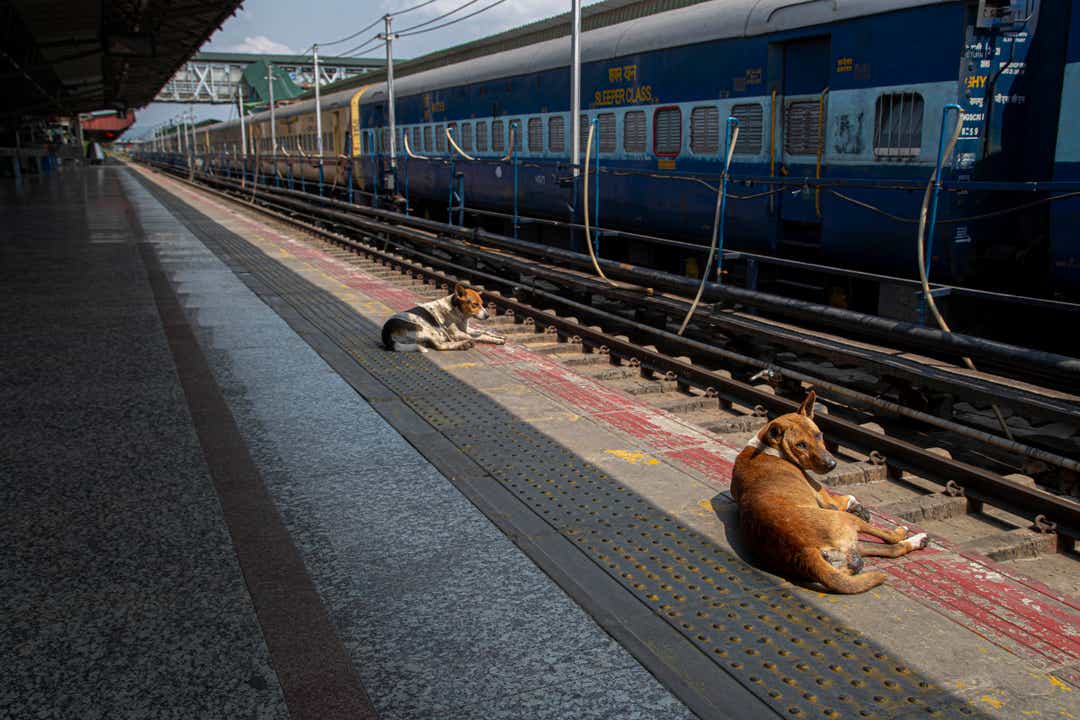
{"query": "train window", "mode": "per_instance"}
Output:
(667, 131)
(385, 132)
(466, 137)
(802, 127)
(440, 138)
(583, 133)
(428, 145)
(898, 121)
(498, 137)
(750, 128)
(481, 136)
(452, 127)
(633, 138)
(414, 143)
(705, 130)
(517, 130)
(536, 135)
(605, 128)
(556, 134)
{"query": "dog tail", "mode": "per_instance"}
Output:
(838, 581)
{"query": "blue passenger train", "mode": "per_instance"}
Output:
(839, 105)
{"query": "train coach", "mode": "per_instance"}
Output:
(841, 106)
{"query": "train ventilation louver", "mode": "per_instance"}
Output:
(801, 118)
(705, 130)
(557, 134)
(751, 130)
(667, 131)
(634, 134)
(605, 127)
(536, 135)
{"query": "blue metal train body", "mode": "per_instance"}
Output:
(840, 107)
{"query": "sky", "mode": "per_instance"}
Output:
(275, 26)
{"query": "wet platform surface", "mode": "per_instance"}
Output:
(436, 612)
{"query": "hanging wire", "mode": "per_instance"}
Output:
(413, 31)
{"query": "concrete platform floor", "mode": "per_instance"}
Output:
(200, 519)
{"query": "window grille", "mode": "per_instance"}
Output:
(452, 127)
(705, 130)
(751, 130)
(385, 132)
(583, 131)
(536, 135)
(498, 137)
(466, 137)
(557, 134)
(427, 138)
(440, 138)
(481, 136)
(667, 131)
(801, 127)
(898, 121)
(605, 128)
(634, 131)
(415, 145)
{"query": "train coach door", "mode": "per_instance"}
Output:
(801, 142)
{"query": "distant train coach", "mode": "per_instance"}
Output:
(841, 109)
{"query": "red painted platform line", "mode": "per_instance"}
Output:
(995, 607)
(1006, 608)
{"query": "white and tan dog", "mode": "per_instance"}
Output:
(440, 324)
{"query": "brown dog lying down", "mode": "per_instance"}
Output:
(795, 526)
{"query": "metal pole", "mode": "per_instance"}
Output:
(575, 88)
(939, 170)
(390, 102)
(318, 119)
(243, 130)
(273, 120)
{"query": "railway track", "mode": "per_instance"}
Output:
(913, 431)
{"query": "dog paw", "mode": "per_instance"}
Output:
(857, 509)
(499, 340)
(468, 345)
(917, 542)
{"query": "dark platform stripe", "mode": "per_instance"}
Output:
(312, 666)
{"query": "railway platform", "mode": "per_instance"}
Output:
(221, 498)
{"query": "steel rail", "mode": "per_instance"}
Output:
(972, 388)
(977, 483)
(1059, 371)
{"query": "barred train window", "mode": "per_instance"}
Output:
(536, 135)
(667, 131)
(583, 131)
(427, 137)
(750, 128)
(481, 136)
(385, 132)
(801, 119)
(605, 128)
(452, 127)
(466, 137)
(705, 130)
(498, 137)
(556, 134)
(440, 138)
(898, 121)
(415, 144)
(633, 139)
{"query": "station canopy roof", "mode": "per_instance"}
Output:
(69, 56)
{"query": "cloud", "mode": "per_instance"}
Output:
(262, 45)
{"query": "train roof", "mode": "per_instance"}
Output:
(697, 23)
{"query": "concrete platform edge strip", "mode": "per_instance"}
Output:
(703, 686)
(314, 670)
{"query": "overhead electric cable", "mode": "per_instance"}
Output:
(456, 20)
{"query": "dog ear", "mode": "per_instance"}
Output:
(807, 407)
(776, 433)
(460, 290)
